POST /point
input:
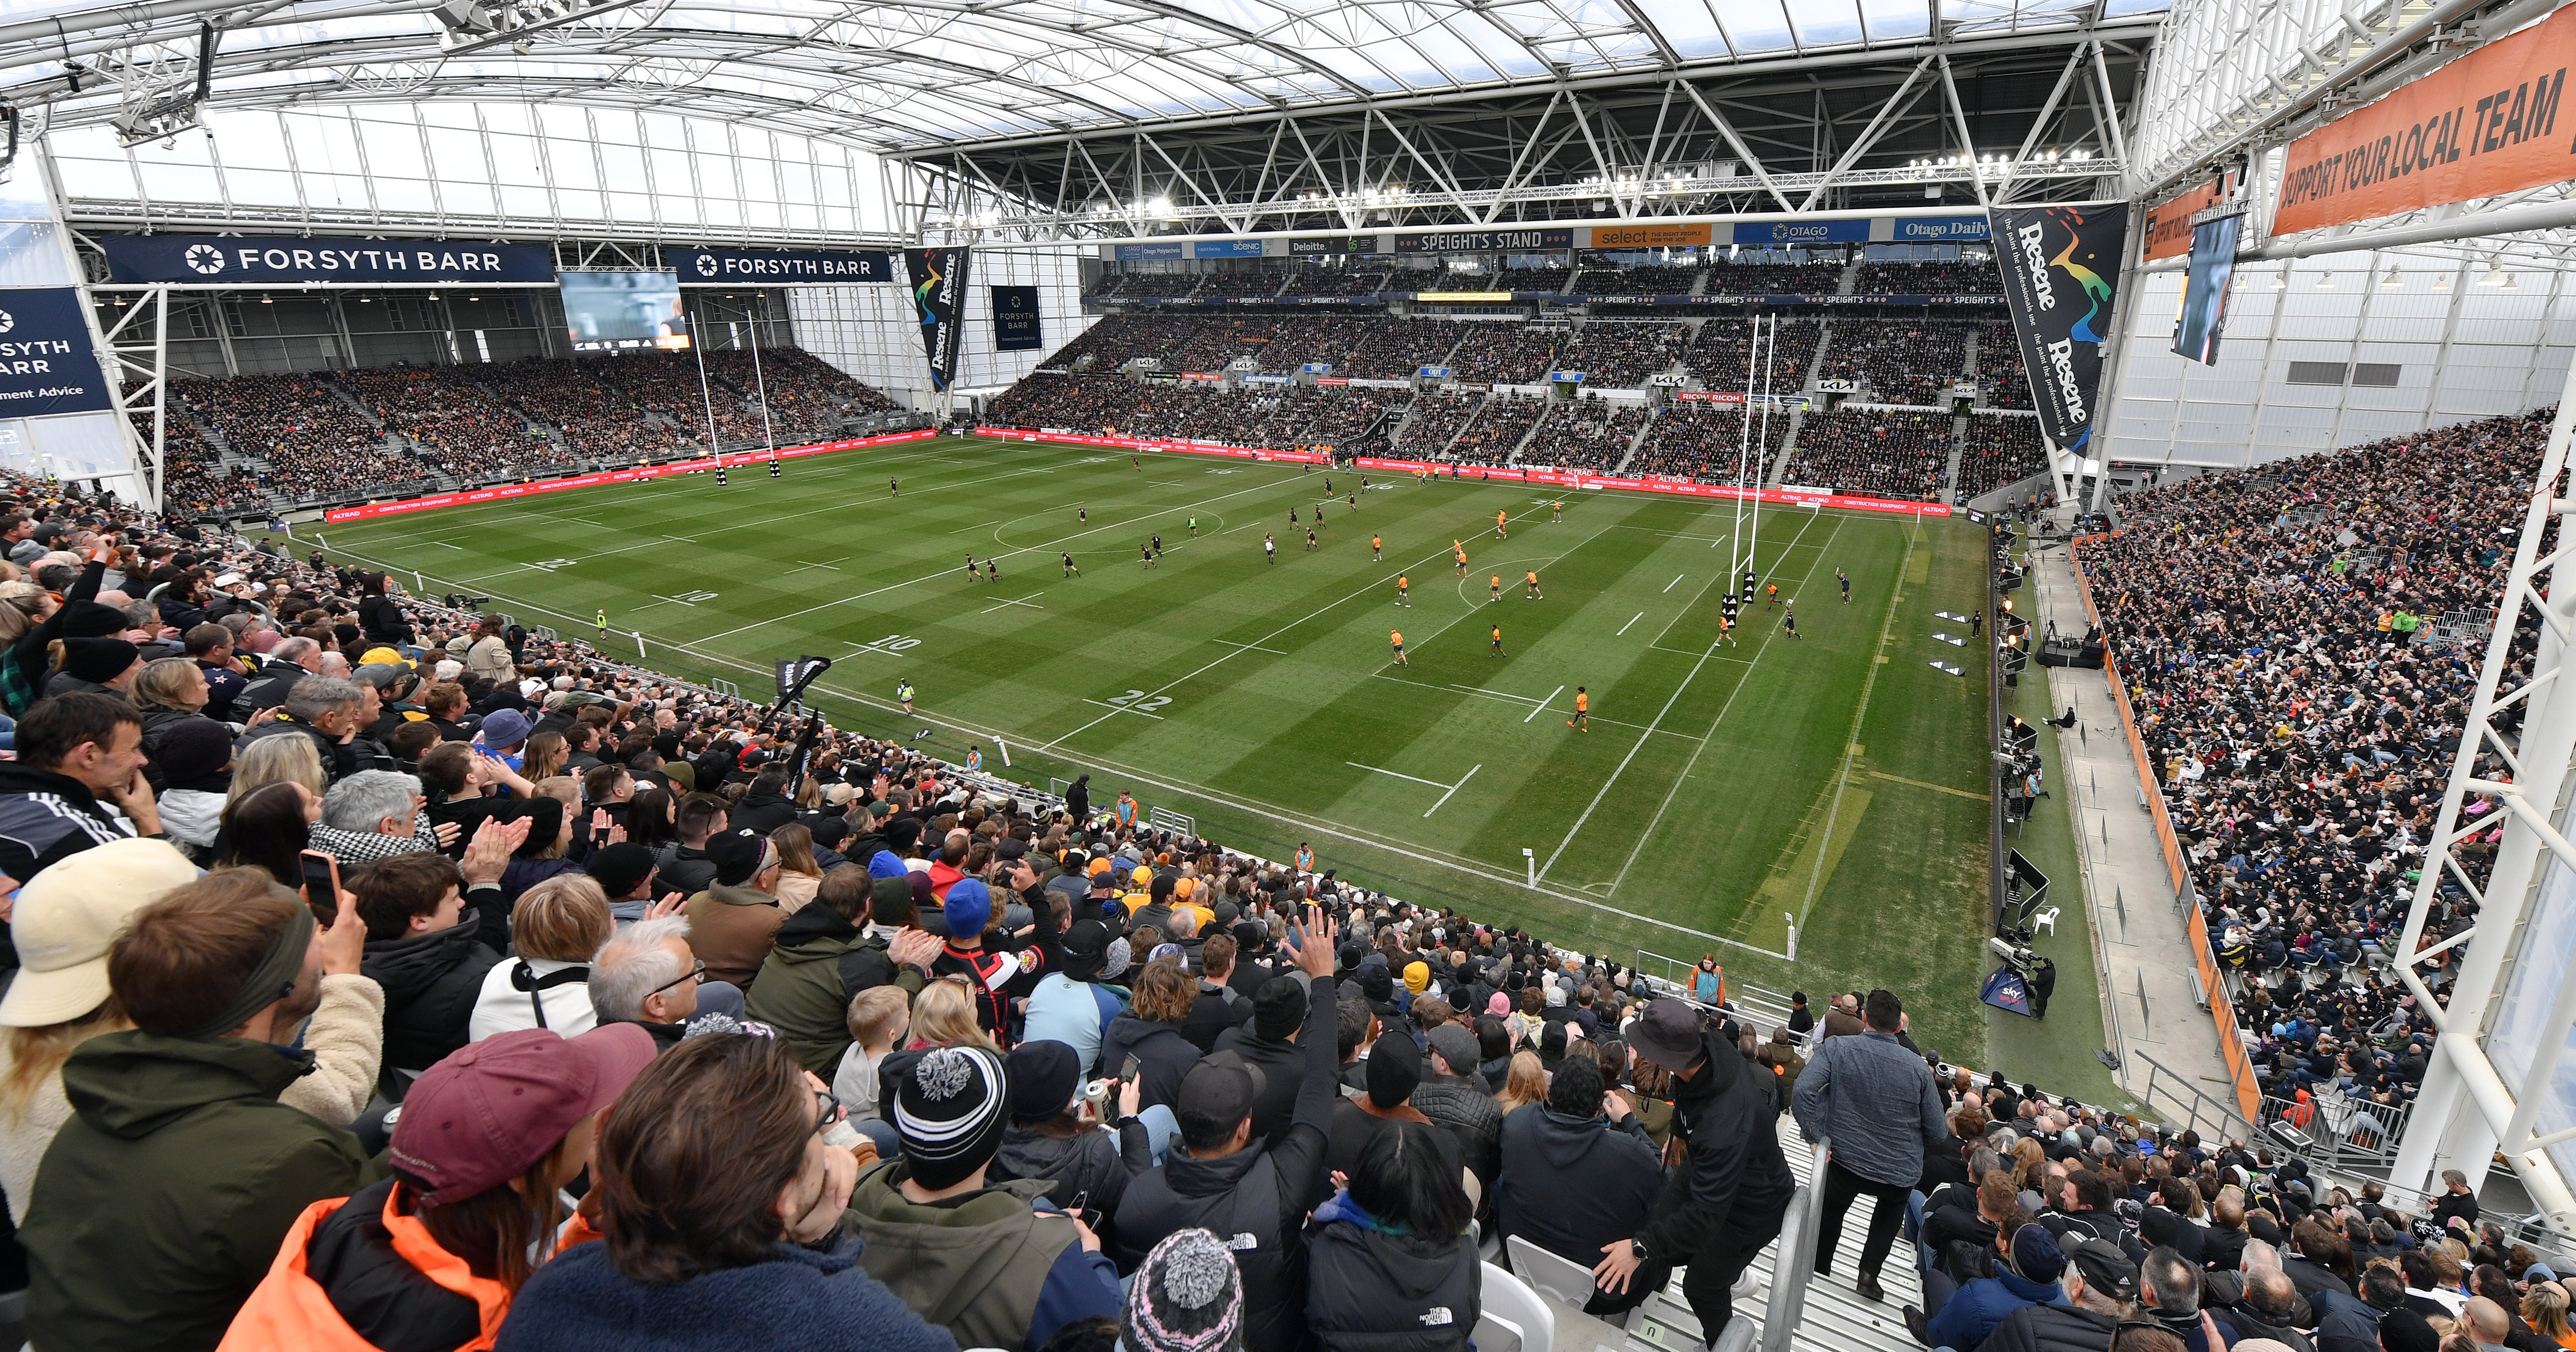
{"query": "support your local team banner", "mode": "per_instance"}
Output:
(938, 301)
(2482, 125)
(2061, 268)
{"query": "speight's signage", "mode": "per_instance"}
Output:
(1484, 241)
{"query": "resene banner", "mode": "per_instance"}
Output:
(1015, 319)
(938, 287)
(2061, 269)
(2482, 125)
(803, 266)
(47, 364)
(264, 260)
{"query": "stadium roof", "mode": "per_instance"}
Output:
(928, 73)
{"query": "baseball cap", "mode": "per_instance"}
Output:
(1667, 1033)
(618, 868)
(2104, 1268)
(1456, 1046)
(1086, 949)
(67, 918)
(490, 1111)
(1219, 1092)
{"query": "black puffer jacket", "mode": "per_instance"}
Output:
(1089, 1169)
(1370, 1291)
(1473, 1119)
(383, 1297)
(2052, 1328)
(431, 982)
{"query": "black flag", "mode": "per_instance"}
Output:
(938, 291)
(2061, 269)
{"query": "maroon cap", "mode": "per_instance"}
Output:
(488, 1113)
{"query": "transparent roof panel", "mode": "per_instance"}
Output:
(923, 73)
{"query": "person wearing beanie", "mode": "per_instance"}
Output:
(1187, 1296)
(732, 922)
(996, 977)
(97, 666)
(2027, 1269)
(195, 760)
(993, 1263)
(488, 1139)
(625, 872)
(1055, 1133)
(1393, 1070)
(1417, 979)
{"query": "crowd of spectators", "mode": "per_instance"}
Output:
(1584, 434)
(2277, 635)
(1650, 280)
(1437, 416)
(1512, 353)
(1550, 277)
(1775, 279)
(1498, 429)
(807, 396)
(840, 1062)
(1903, 361)
(1620, 354)
(1878, 452)
(592, 402)
(1718, 356)
(1320, 280)
(456, 425)
(1999, 450)
(312, 443)
(1144, 285)
(1966, 277)
(1703, 441)
(2002, 381)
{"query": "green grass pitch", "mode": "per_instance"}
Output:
(1836, 777)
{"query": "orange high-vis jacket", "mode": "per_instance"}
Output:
(290, 1312)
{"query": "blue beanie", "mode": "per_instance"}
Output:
(883, 864)
(968, 909)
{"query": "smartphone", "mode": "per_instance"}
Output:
(1133, 1070)
(321, 882)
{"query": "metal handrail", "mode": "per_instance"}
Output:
(1795, 1266)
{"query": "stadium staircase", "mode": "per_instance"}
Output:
(1638, 442)
(1959, 426)
(1815, 1314)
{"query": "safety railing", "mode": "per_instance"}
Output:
(1795, 1266)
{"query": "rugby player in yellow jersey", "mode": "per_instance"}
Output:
(1403, 598)
(1497, 581)
(1498, 640)
(1582, 720)
(1533, 594)
(1377, 550)
(1499, 521)
(1396, 637)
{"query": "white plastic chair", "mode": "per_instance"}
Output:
(1565, 1282)
(2045, 920)
(1509, 1301)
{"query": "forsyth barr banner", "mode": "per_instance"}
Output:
(2061, 269)
(803, 266)
(938, 300)
(2485, 124)
(1015, 319)
(255, 260)
(47, 363)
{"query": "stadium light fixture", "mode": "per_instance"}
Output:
(473, 25)
(2325, 281)
(2392, 282)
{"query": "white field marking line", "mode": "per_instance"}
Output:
(1462, 783)
(1252, 647)
(1632, 622)
(802, 565)
(1668, 587)
(1310, 825)
(1851, 744)
(1362, 591)
(1711, 735)
(1123, 709)
(1498, 694)
(1397, 774)
(445, 545)
(1676, 534)
(1023, 601)
(961, 530)
(1542, 704)
(1521, 699)
(1606, 784)
(1047, 547)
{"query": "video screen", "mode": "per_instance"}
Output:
(2204, 295)
(624, 311)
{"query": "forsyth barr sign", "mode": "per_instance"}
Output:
(282, 260)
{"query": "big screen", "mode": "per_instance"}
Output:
(622, 311)
(2204, 294)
